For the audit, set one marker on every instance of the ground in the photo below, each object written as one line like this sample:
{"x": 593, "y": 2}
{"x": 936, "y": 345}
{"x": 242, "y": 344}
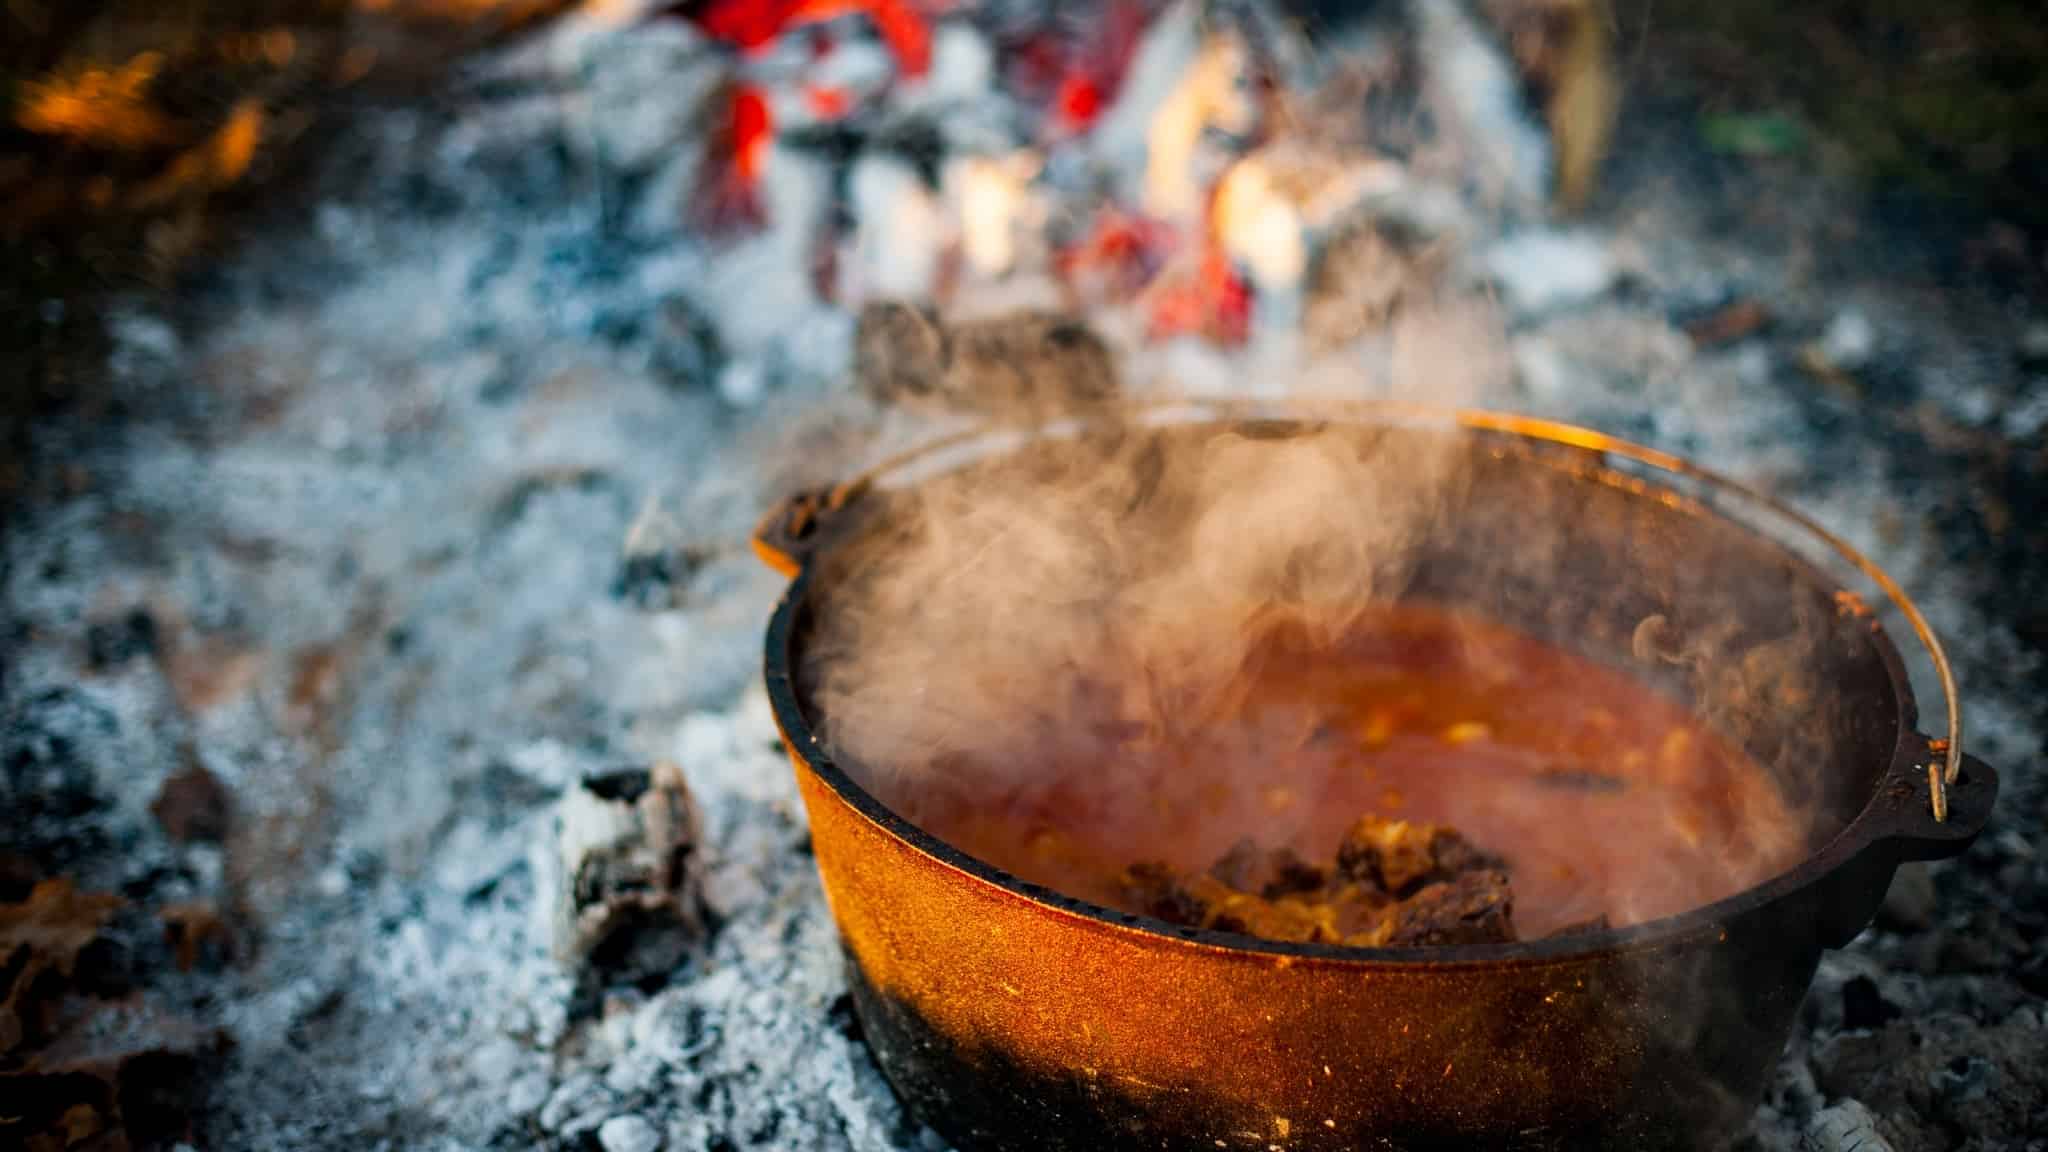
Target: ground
{"x": 371, "y": 479}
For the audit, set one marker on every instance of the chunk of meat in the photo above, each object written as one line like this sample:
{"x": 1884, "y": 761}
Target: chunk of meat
{"x": 1470, "y": 908}
{"x": 1290, "y": 875}
{"x": 1395, "y": 884}
{"x": 1402, "y": 856}
{"x": 1203, "y": 901}
{"x": 1153, "y": 889}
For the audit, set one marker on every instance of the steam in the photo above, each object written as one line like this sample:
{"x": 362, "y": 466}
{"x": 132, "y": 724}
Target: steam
{"x": 1120, "y": 593}
{"x": 1165, "y": 562}
{"x": 1067, "y": 637}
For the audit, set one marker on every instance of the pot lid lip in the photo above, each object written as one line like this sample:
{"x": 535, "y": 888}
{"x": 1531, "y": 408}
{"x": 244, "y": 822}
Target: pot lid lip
{"x": 1709, "y": 920}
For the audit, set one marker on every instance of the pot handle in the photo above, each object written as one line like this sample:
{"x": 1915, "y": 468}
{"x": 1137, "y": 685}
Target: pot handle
{"x": 791, "y": 531}
{"x": 1902, "y": 820}
{"x": 1970, "y": 797}
{"x": 1898, "y": 826}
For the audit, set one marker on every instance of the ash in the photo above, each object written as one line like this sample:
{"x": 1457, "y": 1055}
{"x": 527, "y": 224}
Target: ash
{"x": 432, "y": 505}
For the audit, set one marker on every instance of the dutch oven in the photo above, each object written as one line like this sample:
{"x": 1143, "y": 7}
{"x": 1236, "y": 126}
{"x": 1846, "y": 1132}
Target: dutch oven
{"x": 1011, "y": 1017}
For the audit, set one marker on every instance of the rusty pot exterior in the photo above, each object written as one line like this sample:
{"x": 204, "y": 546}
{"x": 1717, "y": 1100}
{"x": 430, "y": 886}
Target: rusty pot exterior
{"x": 1010, "y": 1017}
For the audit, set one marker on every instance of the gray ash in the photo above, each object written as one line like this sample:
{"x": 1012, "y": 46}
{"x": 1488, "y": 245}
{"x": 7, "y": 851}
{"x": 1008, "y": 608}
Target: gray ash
{"x": 423, "y": 392}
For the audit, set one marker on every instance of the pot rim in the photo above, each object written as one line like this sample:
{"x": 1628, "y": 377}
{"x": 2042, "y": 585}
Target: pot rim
{"x": 1874, "y": 824}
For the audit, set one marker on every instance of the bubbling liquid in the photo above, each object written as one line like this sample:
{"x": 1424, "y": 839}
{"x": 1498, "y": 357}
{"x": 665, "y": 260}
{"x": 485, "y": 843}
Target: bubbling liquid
{"x": 1604, "y": 797}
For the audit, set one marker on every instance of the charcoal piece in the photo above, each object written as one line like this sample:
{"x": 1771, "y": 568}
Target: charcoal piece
{"x": 1910, "y": 903}
{"x": 50, "y": 802}
{"x": 110, "y": 643}
{"x": 122, "y": 1075}
{"x": 1471, "y": 908}
{"x": 1027, "y": 366}
{"x": 1030, "y": 366}
{"x": 1401, "y": 857}
{"x": 193, "y": 806}
{"x": 1383, "y": 852}
{"x": 654, "y": 580}
{"x": 899, "y": 352}
{"x": 620, "y": 784}
{"x": 18, "y": 876}
{"x": 1864, "y": 1006}
{"x": 1455, "y": 854}
{"x": 686, "y": 347}
{"x": 1846, "y": 1127}
{"x": 629, "y": 895}
{"x": 2033, "y": 975}
{"x": 1927, "y": 1075}
{"x": 197, "y": 935}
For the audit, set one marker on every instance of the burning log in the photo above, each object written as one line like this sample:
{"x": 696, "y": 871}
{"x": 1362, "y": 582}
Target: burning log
{"x": 1276, "y": 209}
{"x": 1203, "y": 295}
{"x": 741, "y": 119}
{"x": 1073, "y": 70}
{"x": 1213, "y": 96}
{"x": 1120, "y": 254}
{"x": 736, "y": 129}
{"x": 992, "y": 198}
{"x": 752, "y": 26}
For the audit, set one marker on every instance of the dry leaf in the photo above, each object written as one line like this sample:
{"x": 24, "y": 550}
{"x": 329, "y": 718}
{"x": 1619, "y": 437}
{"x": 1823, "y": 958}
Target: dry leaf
{"x": 40, "y": 942}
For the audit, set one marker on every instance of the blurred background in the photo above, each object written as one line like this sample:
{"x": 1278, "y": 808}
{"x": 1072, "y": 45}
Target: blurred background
{"x": 388, "y": 387}
{"x": 136, "y": 133}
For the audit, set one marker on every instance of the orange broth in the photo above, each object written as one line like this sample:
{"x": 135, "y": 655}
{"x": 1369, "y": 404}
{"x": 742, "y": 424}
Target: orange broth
{"x": 1605, "y": 797}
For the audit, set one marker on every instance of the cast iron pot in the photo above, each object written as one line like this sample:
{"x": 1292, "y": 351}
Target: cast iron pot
{"x": 1010, "y": 1017}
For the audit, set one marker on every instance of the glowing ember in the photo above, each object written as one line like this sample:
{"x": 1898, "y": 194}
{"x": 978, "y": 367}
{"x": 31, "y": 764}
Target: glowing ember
{"x": 99, "y": 106}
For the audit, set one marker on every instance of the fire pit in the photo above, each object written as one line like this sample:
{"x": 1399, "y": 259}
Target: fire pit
{"x": 1010, "y": 1015}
